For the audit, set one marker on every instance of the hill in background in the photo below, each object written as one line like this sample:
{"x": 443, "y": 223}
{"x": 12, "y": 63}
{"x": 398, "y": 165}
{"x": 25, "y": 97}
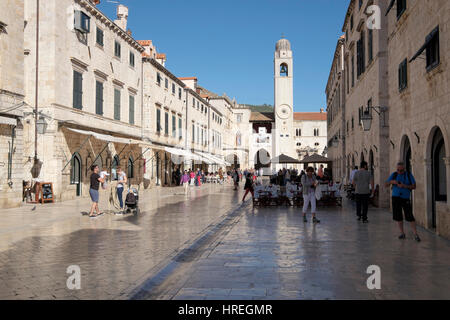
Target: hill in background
{"x": 260, "y": 108}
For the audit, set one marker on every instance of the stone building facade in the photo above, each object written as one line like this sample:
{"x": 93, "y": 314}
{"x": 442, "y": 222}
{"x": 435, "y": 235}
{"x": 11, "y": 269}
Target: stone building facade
{"x": 419, "y": 99}
{"x": 11, "y": 102}
{"x": 105, "y": 98}
{"x": 401, "y": 69}
{"x": 366, "y": 89}
{"x": 89, "y": 88}
{"x": 310, "y": 134}
{"x": 164, "y": 119}
{"x": 335, "y": 93}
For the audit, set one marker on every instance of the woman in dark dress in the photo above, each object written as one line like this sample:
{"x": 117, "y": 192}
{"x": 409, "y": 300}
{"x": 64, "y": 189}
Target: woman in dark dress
{"x": 248, "y": 186}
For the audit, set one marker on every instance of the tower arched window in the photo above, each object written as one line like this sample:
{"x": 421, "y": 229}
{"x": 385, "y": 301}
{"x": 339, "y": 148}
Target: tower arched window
{"x": 284, "y": 70}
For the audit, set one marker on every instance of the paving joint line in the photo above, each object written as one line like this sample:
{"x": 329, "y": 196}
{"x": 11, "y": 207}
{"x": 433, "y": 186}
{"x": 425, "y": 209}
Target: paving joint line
{"x": 184, "y": 256}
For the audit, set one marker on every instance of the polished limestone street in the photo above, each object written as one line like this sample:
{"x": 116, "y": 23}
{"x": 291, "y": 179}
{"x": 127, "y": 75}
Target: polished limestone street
{"x": 207, "y": 245}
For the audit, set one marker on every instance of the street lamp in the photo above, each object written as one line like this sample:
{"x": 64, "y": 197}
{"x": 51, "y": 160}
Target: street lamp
{"x": 41, "y": 125}
{"x": 366, "y": 120}
{"x": 366, "y": 117}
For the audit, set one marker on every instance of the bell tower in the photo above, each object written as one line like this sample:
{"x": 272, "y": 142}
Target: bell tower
{"x": 284, "y": 100}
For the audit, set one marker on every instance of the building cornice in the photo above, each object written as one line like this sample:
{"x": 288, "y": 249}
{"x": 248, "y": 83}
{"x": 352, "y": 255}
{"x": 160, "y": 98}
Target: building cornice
{"x": 88, "y": 6}
{"x": 161, "y": 68}
{"x": 351, "y": 6}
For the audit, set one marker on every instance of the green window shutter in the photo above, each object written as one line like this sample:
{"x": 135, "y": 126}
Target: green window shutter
{"x": 100, "y": 36}
{"x": 174, "y": 127}
{"x": 132, "y": 59}
{"x": 99, "y": 98}
{"x": 180, "y": 128}
{"x": 131, "y": 116}
{"x": 117, "y": 49}
{"x": 116, "y": 104}
{"x": 77, "y": 90}
{"x": 158, "y": 120}
{"x": 166, "y": 123}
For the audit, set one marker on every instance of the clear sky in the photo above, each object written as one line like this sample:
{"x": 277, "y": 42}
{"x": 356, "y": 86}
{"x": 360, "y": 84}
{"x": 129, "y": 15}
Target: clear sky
{"x": 229, "y": 44}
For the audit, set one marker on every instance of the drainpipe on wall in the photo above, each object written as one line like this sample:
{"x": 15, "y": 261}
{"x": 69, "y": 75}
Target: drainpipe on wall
{"x": 186, "y": 126}
{"x": 36, "y": 87}
{"x": 142, "y": 99}
{"x": 10, "y": 155}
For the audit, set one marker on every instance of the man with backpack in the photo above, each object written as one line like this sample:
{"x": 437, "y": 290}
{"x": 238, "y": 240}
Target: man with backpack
{"x": 402, "y": 183}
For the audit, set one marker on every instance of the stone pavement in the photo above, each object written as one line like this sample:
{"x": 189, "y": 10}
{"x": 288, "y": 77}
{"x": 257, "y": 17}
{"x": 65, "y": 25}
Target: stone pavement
{"x": 38, "y": 243}
{"x": 269, "y": 253}
{"x": 205, "y": 246}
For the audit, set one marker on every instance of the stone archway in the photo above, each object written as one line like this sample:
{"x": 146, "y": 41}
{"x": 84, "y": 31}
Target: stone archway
{"x": 262, "y": 160}
{"x": 436, "y": 176}
{"x": 233, "y": 158}
{"x": 406, "y": 153}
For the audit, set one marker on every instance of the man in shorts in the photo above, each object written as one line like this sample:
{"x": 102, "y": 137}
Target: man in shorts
{"x": 402, "y": 183}
{"x": 93, "y": 190}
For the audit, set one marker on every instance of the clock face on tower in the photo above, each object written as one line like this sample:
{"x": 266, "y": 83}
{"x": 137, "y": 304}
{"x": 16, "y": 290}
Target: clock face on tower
{"x": 284, "y": 111}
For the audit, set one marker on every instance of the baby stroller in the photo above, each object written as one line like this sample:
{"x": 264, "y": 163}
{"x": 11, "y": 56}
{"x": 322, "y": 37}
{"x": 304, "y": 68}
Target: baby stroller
{"x": 132, "y": 201}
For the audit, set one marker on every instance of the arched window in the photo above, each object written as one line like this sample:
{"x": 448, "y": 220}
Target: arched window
{"x": 115, "y": 164}
{"x": 439, "y": 169}
{"x": 75, "y": 173}
{"x": 284, "y": 70}
{"x": 407, "y": 154}
{"x": 130, "y": 167}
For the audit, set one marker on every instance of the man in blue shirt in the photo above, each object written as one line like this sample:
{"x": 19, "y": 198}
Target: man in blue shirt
{"x": 402, "y": 183}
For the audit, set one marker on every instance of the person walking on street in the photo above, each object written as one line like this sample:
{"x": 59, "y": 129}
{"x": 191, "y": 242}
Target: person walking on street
{"x": 248, "y": 186}
{"x": 192, "y": 176}
{"x": 362, "y": 181}
{"x": 185, "y": 181}
{"x": 309, "y": 184}
{"x": 122, "y": 180}
{"x": 320, "y": 172}
{"x": 402, "y": 183}
{"x": 352, "y": 174}
{"x": 235, "y": 179}
{"x": 287, "y": 177}
{"x": 93, "y": 190}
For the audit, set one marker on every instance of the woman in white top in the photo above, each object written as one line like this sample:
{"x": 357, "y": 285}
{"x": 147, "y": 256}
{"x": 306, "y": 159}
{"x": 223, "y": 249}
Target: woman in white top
{"x": 309, "y": 184}
{"x": 122, "y": 180}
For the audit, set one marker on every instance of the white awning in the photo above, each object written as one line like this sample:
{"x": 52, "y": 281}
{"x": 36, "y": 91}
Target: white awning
{"x": 8, "y": 121}
{"x": 183, "y": 153}
{"x": 213, "y": 159}
{"x": 105, "y": 137}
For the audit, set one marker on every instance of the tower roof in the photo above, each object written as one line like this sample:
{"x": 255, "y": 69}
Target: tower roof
{"x": 283, "y": 44}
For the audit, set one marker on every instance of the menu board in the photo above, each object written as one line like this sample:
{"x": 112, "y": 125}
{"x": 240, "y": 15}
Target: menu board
{"x": 47, "y": 192}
